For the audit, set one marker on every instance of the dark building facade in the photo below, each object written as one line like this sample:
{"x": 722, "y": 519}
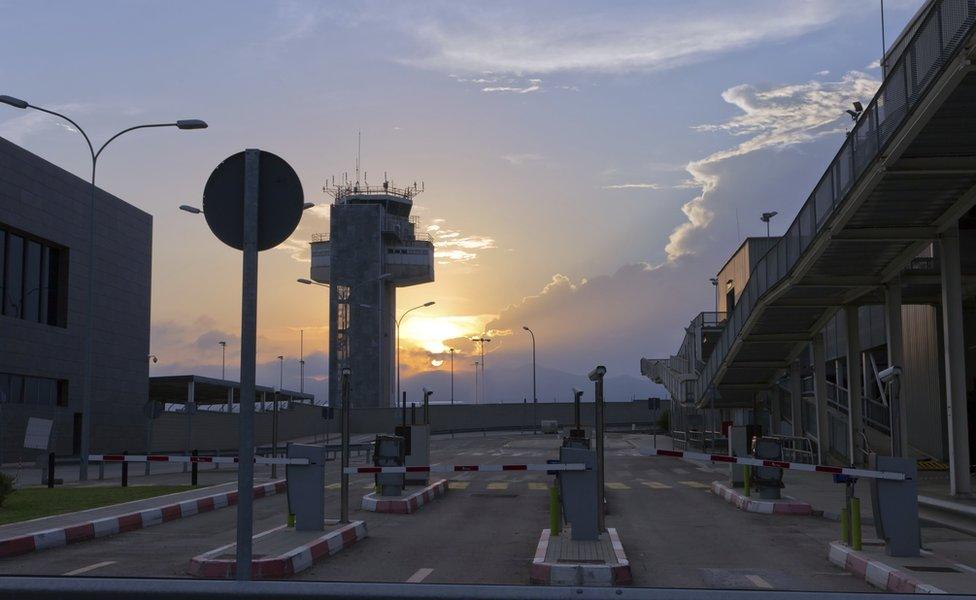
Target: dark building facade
{"x": 44, "y": 260}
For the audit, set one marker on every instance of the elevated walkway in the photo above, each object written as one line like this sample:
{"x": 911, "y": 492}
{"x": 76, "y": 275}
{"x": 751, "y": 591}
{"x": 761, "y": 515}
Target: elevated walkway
{"x": 905, "y": 174}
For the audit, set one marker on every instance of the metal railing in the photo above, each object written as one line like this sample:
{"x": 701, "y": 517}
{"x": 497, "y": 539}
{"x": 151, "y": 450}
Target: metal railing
{"x": 938, "y": 38}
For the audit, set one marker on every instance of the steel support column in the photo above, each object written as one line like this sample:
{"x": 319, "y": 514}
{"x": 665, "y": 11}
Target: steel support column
{"x": 955, "y": 363}
{"x": 855, "y": 423}
{"x": 796, "y": 398}
{"x": 899, "y": 424}
{"x": 820, "y": 392}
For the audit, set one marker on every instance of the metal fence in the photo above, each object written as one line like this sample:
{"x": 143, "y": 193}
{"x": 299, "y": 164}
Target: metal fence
{"x": 938, "y": 38}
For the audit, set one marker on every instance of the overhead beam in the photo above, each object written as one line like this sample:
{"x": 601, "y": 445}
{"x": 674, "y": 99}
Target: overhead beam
{"x": 838, "y": 281}
{"x": 779, "y": 338}
{"x": 886, "y": 234}
{"x": 934, "y": 165}
{"x": 758, "y": 364}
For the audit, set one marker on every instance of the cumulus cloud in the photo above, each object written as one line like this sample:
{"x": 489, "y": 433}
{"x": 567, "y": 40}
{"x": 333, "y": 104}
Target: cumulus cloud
{"x": 771, "y": 117}
{"x": 534, "y": 85}
{"x": 451, "y": 246}
{"x": 634, "y": 186}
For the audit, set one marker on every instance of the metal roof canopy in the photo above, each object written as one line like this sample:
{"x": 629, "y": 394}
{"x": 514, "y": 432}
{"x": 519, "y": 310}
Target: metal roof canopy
{"x": 922, "y": 182}
{"x": 206, "y": 390}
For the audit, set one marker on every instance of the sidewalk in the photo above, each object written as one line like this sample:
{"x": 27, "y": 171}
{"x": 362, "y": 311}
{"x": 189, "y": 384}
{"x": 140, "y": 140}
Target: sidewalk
{"x": 67, "y": 528}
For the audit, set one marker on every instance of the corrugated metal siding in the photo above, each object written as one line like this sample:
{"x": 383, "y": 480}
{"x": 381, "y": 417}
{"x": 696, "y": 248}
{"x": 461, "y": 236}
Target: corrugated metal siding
{"x": 923, "y": 388}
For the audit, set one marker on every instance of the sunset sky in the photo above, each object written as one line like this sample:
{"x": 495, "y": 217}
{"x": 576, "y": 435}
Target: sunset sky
{"x": 588, "y": 165}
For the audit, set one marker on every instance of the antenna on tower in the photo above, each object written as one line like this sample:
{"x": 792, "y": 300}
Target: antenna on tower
{"x": 359, "y": 153}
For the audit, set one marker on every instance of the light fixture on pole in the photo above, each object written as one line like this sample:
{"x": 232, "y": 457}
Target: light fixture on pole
{"x": 86, "y": 399}
{"x": 766, "y": 218}
{"x": 534, "y": 396}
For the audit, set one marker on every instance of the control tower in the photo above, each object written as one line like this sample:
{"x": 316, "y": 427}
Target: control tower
{"x": 373, "y": 247}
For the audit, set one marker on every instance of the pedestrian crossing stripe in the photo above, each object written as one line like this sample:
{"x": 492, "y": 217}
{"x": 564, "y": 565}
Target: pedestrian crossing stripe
{"x": 458, "y": 485}
{"x": 654, "y": 485}
{"x": 694, "y": 484}
{"x": 498, "y": 485}
{"x": 535, "y": 485}
{"x": 616, "y": 485}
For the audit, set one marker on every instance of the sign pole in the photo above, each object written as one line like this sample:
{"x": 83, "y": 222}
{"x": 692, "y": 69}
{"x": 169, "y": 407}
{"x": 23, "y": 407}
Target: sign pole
{"x": 249, "y": 310}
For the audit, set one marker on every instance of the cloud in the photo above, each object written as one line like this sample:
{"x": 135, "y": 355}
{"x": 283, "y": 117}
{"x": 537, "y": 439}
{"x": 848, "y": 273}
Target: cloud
{"x": 451, "y": 246}
{"x": 32, "y": 122}
{"x": 634, "y": 186}
{"x": 771, "y": 117}
{"x": 540, "y": 38}
{"x": 534, "y": 85}
{"x": 522, "y": 159}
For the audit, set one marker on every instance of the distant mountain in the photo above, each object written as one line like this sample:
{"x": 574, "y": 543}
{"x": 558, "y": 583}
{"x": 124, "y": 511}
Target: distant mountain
{"x": 512, "y": 384}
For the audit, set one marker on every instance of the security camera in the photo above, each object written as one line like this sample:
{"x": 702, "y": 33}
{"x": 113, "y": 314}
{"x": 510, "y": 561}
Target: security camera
{"x": 889, "y": 374}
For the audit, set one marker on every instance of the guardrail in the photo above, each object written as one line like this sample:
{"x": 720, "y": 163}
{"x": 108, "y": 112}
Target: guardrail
{"x": 939, "y": 37}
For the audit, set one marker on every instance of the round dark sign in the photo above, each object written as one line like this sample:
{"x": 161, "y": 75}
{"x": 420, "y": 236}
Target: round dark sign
{"x": 280, "y": 201}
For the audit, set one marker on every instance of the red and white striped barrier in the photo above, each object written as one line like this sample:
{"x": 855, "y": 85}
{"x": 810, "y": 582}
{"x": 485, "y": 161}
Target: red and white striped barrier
{"x": 181, "y": 458}
{"x": 466, "y": 468}
{"x": 758, "y": 462}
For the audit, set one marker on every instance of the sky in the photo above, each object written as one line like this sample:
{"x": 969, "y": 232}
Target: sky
{"x": 587, "y": 165}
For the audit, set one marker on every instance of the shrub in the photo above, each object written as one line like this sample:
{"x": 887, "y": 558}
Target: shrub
{"x": 6, "y": 487}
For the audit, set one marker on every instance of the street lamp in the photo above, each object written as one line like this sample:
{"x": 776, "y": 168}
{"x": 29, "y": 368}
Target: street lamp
{"x": 452, "y": 376}
{"x": 223, "y": 360}
{"x": 525, "y": 327}
{"x": 766, "y": 218}
{"x": 398, "y": 321}
{"x": 86, "y": 410}
{"x": 484, "y": 389}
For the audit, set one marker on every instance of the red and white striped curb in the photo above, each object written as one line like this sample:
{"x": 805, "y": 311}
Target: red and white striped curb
{"x": 766, "y": 507}
{"x": 758, "y": 462}
{"x": 549, "y": 573}
{"x": 876, "y": 572}
{"x": 189, "y": 458}
{"x": 80, "y": 532}
{"x": 406, "y": 504}
{"x": 466, "y": 468}
{"x": 209, "y": 566}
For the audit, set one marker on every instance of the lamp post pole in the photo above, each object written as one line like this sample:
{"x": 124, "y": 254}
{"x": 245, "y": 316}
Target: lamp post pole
{"x": 301, "y": 361}
{"x": 223, "y": 360}
{"x": 398, "y": 322}
{"x": 86, "y": 401}
{"x": 452, "y": 376}
{"x": 484, "y": 388}
{"x": 476, "y": 363}
{"x": 534, "y": 396}
{"x": 274, "y": 414}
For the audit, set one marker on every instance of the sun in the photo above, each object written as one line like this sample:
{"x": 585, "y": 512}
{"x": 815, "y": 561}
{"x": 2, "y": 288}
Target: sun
{"x": 436, "y": 362}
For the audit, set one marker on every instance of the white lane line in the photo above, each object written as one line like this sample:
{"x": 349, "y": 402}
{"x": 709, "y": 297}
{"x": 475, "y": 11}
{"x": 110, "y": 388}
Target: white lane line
{"x": 98, "y": 565}
{"x": 420, "y": 575}
{"x": 759, "y": 582}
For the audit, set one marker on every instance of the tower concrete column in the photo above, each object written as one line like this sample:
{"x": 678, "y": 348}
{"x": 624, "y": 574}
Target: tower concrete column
{"x": 855, "y": 424}
{"x": 960, "y": 482}
{"x": 899, "y": 424}
{"x": 820, "y": 392}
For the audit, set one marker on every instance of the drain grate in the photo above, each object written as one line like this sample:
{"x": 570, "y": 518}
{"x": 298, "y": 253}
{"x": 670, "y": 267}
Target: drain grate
{"x": 928, "y": 569}
{"x": 494, "y": 495}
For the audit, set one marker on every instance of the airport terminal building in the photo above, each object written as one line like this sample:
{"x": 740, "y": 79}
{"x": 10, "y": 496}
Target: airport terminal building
{"x": 44, "y": 260}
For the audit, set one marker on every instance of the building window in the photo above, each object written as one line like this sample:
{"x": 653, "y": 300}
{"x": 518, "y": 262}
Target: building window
{"x": 35, "y": 391}
{"x": 33, "y": 278}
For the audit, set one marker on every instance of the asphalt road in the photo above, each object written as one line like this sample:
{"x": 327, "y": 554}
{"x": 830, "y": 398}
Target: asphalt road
{"x": 675, "y": 532}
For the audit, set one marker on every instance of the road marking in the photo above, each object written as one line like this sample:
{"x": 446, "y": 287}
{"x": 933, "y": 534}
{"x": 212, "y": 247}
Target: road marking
{"x": 458, "y": 485}
{"x": 759, "y": 582}
{"x": 498, "y": 485}
{"x": 333, "y": 486}
{"x": 694, "y": 484}
{"x": 616, "y": 485}
{"x": 98, "y": 565}
{"x": 654, "y": 485}
{"x": 420, "y": 575}
{"x": 535, "y": 485}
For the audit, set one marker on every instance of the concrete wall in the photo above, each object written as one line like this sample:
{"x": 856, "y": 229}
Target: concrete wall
{"x": 213, "y": 431}
{"x": 48, "y": 202}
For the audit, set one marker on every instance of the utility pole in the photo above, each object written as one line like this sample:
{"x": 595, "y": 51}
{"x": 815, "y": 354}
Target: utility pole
{"x": 223, "y": 360}
{"x": 484, "y": 388}
{"x": 476, "y": 363}
{"x": 534, "y": 396}
{"x": 301, "y": 360}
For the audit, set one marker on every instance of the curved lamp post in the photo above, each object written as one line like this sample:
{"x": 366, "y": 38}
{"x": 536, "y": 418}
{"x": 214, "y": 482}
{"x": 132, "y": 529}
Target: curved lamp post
{"x": 90, "y": 317}
{"x": 534, "y": 397}
{"x": 398, "y": 321}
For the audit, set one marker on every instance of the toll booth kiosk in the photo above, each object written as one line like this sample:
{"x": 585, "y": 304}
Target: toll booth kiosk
{"x": 306, "y": 486}
{"x": 416, "y": 443}
{"x": 388, "y": 451}
{"x": 578, "y": 493}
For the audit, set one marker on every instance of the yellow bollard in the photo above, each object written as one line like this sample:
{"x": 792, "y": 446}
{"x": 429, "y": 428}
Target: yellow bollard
{"x": 291, "y": 520}
{"x": 747, "y": 481}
